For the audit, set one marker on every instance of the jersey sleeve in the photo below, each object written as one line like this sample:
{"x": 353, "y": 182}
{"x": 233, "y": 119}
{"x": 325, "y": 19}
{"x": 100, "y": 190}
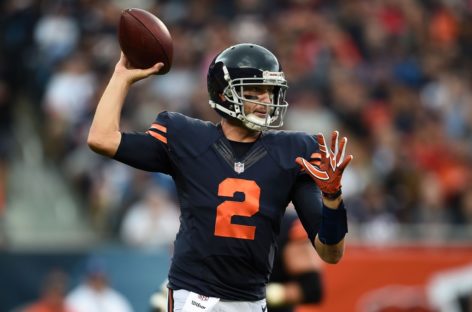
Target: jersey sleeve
{"x": 307, "y": 201}
{"x": 306, "y": 194}
{"x": 147, "y": 151}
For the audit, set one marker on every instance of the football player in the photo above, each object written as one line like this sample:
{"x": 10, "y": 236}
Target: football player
{"x": 297, "y": 273}
{"x": 234, "y": 179}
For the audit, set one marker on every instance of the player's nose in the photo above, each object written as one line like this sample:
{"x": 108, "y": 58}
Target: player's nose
{"x": 264, "y": 97}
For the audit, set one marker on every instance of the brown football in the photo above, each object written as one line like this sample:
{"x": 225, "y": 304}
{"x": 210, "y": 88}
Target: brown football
{"x": 145, "y": 39}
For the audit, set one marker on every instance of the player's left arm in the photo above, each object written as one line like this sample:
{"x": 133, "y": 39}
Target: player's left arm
{"x": 327, "y": 174}
{"x": 329, "y": 242}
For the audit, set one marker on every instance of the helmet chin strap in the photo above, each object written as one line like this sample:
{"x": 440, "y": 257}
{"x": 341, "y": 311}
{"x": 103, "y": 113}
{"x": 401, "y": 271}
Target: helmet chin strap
{"x": 254, "y": 122}
{"x": 250, "y": 121}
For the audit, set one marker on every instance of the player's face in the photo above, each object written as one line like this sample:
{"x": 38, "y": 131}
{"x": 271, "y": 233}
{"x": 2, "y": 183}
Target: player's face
{"x": 262, "y": 94}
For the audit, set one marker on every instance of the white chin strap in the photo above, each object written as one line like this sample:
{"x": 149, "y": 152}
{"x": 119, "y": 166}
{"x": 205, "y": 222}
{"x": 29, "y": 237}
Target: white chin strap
{"x": 250, "y": 121}
{"x": 256, "y": 123}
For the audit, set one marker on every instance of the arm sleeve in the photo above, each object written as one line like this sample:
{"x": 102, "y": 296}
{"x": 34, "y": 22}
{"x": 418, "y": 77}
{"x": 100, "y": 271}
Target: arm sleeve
{"x": 306, "y": 198}
{"x": 143, "y": 151}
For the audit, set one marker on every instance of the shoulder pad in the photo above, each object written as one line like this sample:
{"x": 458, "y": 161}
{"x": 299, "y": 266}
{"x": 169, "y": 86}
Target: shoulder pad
{"x": 185, "y": 136}
{"x": 286, "y": 146}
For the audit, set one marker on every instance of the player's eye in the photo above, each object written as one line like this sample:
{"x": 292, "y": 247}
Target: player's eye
{"x": 250, "y": 97}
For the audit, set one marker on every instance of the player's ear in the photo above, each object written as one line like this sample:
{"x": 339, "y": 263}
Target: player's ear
{"x": 221, "y": 96}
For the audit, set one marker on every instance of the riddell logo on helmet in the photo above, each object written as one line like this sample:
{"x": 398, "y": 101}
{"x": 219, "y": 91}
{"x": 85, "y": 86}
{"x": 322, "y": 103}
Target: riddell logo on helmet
{"x": 273, "y": 75}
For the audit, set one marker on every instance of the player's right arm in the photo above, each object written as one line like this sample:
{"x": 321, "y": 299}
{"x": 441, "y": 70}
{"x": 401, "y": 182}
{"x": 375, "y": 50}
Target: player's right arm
{"x": 104, "y": 134}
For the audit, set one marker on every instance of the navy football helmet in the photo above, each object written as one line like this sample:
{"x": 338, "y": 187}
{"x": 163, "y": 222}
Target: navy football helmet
{"x": 242, "y": 67}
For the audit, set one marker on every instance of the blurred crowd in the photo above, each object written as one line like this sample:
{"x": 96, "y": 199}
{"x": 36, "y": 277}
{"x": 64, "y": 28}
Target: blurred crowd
{"x": 395, "y": 76}
{"x": 93, "y": 292}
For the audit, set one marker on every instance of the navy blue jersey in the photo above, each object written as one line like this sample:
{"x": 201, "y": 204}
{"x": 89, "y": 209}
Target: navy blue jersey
{"x": 231, "y": 208}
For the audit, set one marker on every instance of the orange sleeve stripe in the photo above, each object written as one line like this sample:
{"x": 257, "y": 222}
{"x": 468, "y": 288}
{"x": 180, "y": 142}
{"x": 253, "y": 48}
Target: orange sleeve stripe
{"x": 159, "y": 127}
{"x": 158, "y": 136}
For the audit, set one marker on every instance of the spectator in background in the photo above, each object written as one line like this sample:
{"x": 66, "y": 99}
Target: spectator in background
{"x": 95, "y": 294}
{"x": 68, "y": 95}
{"x": 307, "y": 111}
{"x": 151, "y": 222}
{"x": 296, "y": 277}
{"x": 5, "y": 146}
{"x": 52, "y": 298}
{"x": 465, "y": 207}
{"x": 378, "y": 69}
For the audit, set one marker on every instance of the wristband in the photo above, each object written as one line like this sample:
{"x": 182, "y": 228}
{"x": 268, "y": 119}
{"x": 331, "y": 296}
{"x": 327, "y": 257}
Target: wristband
{"x": 332, "y": 196}
{"x": 333, "y": 225}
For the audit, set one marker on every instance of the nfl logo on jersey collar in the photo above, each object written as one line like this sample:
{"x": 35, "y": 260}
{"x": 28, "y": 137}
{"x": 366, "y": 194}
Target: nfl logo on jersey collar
{"x": 239, "y": 167}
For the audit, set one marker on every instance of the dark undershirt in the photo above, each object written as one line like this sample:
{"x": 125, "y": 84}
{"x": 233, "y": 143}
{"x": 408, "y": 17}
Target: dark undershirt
{"x": 240, "y": 148}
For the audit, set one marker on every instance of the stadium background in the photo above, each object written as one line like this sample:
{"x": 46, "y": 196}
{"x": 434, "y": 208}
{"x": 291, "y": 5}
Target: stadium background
{"x": 393, "y": 75}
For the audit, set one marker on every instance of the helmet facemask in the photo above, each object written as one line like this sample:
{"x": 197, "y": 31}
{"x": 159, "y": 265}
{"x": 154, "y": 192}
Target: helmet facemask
{"x": 273, "y": 111}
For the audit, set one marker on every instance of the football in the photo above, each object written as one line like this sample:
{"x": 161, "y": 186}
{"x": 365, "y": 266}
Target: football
{"x": 145, "y": 39}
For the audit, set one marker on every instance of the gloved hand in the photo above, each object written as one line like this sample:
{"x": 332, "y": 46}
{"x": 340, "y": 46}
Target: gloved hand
{"x": 327, "y": 175}
{"x": 275, "y": 294}
{"x": 158, "y": 300}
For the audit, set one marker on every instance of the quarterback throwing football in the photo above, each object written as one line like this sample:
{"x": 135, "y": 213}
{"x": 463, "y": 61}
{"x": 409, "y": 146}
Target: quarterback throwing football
{"x": 234, "y": 179}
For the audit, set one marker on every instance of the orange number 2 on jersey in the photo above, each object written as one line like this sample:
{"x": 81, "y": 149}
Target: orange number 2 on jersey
{"x": 247, "y": 208}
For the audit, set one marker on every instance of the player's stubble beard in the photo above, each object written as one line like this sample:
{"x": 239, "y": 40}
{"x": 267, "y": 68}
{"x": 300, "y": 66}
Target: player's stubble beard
{"x": 239, "y": 124}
